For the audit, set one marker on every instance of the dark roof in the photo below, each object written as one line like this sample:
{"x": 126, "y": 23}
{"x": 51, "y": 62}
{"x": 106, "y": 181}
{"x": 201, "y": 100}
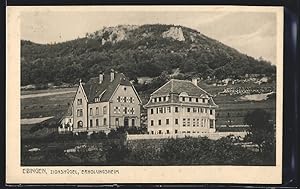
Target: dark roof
{"x": 93, "y": 88}
{"x": 178, "y": 86}
{"x": 69, "y": 111}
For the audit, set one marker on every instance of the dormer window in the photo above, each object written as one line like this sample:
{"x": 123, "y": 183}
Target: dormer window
{"x": 79, "y": 101}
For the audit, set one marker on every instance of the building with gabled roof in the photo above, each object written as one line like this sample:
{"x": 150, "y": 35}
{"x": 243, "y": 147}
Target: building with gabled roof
{"x": 104, "y": 103}
{"x": 180, "y": 106}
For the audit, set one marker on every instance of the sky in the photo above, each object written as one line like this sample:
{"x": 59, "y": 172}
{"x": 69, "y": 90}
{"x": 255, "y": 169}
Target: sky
{"x": 252, "y": 33}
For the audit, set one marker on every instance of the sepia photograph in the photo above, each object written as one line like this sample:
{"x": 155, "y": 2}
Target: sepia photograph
{"x": 149, "y": 87}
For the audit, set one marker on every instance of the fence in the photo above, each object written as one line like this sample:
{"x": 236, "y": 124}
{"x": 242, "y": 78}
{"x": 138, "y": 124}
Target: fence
{"x": 212, "y": 136}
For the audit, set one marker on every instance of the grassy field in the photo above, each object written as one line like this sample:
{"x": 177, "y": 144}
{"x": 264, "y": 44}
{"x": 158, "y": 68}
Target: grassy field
{"x": 231, "y": 108}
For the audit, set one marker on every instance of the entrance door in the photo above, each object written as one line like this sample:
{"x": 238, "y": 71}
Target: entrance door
{"x": 126, "y": 122}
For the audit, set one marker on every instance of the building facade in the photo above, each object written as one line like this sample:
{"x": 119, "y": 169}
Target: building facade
{"x": 180, "y": 106}
{"x": 103, "y": 103}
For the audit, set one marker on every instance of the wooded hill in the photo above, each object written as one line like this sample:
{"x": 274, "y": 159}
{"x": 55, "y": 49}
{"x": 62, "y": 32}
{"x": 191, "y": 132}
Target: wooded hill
{"x": 137, "y": 51}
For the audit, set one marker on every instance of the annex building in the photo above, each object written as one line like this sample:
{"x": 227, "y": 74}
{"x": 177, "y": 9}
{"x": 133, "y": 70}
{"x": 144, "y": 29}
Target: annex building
{"x": 180, "y": 106}
{"x": 103, "y": 103}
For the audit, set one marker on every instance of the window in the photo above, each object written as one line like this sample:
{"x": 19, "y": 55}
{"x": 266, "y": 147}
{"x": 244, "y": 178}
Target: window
{"x": 133, "y": 122}
{"x": 118, "y": 99}
{"x": 97, "y": 122}
{"x": 104, "y": 110}
{"x": 70, "y": 120}
{"x": 128, "y": 99}
{"x": 117, "y": 122}
{"x": 188, "y": 109}
{"x": 190, "y": 99}
{"x": 203, "y": 100}
{"x": 91, "y": 123}
{"x": 176, "y": 131}
{"x": 97, "y": 110}
{"x": 159, "y": 131}
{"x": 165, "y": 98}
{"x": 197, "y": 122}
{"x": 176, "y": 121}
{"x": 159, "y": 122}
{"x": 104, "y": 122}
{"x": 91, "y": 111}
{"x": 159, "y": 99}
{"x": 183, "y": 99}
{"x": 169, "y": 109}
{"x": 157, "y": 110}
{"x": 79, "y": 124}
{"x": 160, "y": 110}
{"x": 183, "y": 122}
{"x": 211, "y": 112}
{"x": 194, "y": 123}
{"x": 79, "y": 112}
{"x": 132, "y": 111}
{"x": 125, "y": 98}
{"x": 188, "y": 122}
{"x": 79, "y": 101}
{"x": 202, "y": 122}
{"x": 152, "y": 132}
{"x": 197, "y": 99}
{"x": 194, "y": 110}
{"x": 167, "y": 121}
{"x": 168, "y": 132}
{"x": 152, "y": 122}
{"x": 176, "y": 109}
{"x": 131, "y": 100}
{"x": 151, "y": 111}
{"x": 125, "y": 110}
{"x": 211, "y": 123}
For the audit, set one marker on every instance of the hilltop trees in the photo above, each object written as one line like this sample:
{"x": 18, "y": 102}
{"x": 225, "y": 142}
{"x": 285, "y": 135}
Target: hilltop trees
{"x": 144, "y": 52}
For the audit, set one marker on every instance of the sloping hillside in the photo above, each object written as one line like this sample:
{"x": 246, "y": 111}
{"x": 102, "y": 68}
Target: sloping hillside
{"x": 137, "y": 51}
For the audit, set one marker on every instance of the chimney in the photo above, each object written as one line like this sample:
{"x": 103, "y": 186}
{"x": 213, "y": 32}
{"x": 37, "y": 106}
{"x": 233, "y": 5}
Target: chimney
{"x": 195, "y": 81}
{"x": 112, "y": 75}
{"x": 101, "y": 78}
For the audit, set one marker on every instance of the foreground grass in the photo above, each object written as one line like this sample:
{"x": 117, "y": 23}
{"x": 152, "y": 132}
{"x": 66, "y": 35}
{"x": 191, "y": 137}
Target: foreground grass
{"x": 163, "y": 152}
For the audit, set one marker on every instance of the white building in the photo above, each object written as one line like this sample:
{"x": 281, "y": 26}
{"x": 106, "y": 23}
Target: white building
{"x": 180, "y": 106}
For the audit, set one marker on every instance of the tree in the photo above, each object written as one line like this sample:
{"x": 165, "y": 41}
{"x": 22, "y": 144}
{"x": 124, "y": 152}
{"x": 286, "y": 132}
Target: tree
{"x": 261, "y": 131}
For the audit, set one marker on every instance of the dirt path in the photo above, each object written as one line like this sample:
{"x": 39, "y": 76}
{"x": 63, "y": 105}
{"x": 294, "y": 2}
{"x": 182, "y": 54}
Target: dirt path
{"x": 45, "y": 94}
{"x": 34, "y": 120}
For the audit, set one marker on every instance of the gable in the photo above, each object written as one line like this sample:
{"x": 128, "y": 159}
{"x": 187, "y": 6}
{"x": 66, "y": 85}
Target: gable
{"x": 104, "y": 90}
{"x": 125, "y": 91}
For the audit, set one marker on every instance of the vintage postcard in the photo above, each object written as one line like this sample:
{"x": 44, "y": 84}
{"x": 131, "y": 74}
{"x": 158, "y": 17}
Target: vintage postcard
{"x": 144, "y": 94}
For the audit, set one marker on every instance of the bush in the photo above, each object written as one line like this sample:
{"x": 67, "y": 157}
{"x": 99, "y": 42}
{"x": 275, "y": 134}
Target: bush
{"x": 98, "y": 135}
